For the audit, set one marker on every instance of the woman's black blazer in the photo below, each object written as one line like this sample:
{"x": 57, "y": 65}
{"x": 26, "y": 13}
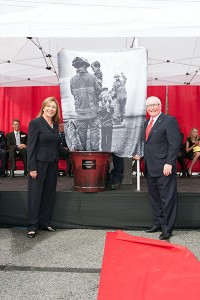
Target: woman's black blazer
{"x": 43, "y": 143}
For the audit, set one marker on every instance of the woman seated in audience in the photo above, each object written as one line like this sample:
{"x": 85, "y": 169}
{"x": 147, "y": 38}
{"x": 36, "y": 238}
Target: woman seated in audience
{"x": 193, "y": 148}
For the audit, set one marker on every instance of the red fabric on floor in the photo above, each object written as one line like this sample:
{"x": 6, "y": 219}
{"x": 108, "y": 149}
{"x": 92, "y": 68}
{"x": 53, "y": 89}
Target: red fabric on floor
{"x": 136, "y": 268}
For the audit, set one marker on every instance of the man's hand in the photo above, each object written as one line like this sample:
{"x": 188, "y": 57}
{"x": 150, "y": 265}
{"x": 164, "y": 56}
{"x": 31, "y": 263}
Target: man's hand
{"x": 167, "y": 170}
{"x": 136, "y": 157}
{"x": 21, "y": 146}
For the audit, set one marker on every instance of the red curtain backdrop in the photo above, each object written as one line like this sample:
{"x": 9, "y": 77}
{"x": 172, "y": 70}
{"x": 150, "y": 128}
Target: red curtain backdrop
{"x": 184, "y": 104}
{"x": 24, "y": 104}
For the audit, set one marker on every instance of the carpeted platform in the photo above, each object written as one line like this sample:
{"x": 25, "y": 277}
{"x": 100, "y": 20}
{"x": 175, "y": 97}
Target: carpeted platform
{"x": 125, "y": 208}
{"x": 66, "y": 184}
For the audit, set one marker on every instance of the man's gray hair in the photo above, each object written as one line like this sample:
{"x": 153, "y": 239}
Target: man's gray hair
{"x": 156, "y": 99}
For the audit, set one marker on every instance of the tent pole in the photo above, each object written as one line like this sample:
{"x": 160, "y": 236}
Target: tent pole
{"x": 136, "y": 42}
{"x": 167, "y": 102}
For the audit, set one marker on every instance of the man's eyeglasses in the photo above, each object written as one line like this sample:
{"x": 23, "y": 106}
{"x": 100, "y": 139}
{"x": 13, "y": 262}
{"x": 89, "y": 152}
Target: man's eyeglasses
{"x": 152, "y": 105}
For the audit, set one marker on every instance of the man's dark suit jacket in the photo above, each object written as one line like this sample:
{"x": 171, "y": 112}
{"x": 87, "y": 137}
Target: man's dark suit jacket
{"x": 11, "y": 141}
{"x": 43, "y": 143}
{"x": 163, "y": 144}
{"x": 2, "y": 141}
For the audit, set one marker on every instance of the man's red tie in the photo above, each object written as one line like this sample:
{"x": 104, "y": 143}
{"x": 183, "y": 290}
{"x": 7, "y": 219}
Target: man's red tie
{"x": 150, "y": 125}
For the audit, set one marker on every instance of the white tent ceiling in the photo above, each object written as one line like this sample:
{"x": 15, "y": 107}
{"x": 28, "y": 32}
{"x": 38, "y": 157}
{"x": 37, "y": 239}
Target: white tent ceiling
{"x": 169, "y": 30}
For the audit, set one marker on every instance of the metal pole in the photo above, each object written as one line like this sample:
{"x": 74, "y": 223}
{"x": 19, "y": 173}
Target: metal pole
{"x": 138, "y": 161}
{"x": 138, "y": 175}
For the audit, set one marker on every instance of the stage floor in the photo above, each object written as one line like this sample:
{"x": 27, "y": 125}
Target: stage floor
{"x": 126, "y": 208}
{"x": 65, "y": 184}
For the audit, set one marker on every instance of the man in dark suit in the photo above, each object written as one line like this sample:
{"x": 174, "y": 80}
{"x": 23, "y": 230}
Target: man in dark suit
{"x": 64, "y": 151}
{"x": 17, "y": 146}
{"x": 161, "y": 147}
{"x": 114, "y": 178}
{"x": 3, "y": 154}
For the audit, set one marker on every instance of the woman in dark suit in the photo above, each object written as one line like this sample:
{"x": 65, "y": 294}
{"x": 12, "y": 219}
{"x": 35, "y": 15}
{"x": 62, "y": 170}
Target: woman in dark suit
{"x": 43, "y": 156}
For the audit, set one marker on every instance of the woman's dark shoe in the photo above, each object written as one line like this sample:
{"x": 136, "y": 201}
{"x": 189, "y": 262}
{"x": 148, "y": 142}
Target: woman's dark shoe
{"x": 31, "y": 234}
{"x": 50, "y": 229}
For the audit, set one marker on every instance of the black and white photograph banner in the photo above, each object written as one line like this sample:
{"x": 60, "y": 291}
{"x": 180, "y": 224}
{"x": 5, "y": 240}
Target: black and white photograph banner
{"x": 103, "y": 98}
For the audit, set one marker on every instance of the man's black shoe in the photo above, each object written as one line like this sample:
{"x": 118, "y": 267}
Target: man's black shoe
{"x": 115, "y": 186}
{"x": 12, "y": 173}
{"x": 165, "y": 236}
{"x": 153, "y": 229}
{"x": 3, "y": 174}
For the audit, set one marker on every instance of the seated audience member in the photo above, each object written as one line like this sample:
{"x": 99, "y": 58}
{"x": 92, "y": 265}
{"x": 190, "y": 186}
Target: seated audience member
{"x": 16, "y": 146}
{"x": 192, "y": 150}
{"x": 3, "y": 154}
{"x": 64, "y": 151}
{"x": 181, "y": 158}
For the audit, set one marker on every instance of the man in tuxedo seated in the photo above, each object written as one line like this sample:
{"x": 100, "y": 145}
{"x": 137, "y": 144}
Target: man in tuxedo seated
{"x": 3, "y": 154}
{"x": 16, "y": 146}
{"x": 64, "y": 151}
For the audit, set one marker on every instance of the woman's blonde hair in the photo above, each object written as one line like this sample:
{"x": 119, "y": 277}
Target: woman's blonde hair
{"x": 56, "y": 117}
{"x": 197, "y": 137}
